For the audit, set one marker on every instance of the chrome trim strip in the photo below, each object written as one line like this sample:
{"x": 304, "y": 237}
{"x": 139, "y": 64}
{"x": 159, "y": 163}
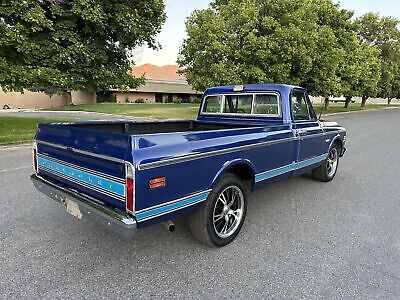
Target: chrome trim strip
{"x": 118, "y": 221}
{"x": 190, "y": 157}
{"x": 129, "y": 165}
{"x": 288, "y": 168}
{"x": 310, "y": 136}
{"x": 173, "y": 201}
{"x": 112, "y": 195}
{"x": 101, "y": 156}
{"x": 172, "y": 206}
{"x": 106, "y": 176}
{"x": 305, "y": 129}
{"x": 333, "y": 132}
{"x": 171, "y": 211}
{"x": 279, "y": 171}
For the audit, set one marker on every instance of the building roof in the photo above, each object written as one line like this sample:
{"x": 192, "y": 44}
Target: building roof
{"x": 163, "y": 79}
{"x": 167, "y": 86}
{"x": 169, "y": 72}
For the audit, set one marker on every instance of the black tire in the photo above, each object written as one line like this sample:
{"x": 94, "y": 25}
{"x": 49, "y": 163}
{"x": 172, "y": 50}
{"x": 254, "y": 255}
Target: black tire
{"x": 324, "y": 172}
{"x": 202, "y": 221}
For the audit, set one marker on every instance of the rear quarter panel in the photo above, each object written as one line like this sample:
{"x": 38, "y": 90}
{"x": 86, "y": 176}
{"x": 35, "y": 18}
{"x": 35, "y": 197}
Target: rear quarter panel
{"x": 218, "y": 151}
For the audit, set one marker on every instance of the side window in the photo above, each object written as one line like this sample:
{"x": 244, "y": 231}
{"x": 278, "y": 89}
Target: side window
{"x": 300, "y": 106}
{"x": 212, "y": 104}
{"x": 266, "y": 105}
{"x": 238, "y": 104}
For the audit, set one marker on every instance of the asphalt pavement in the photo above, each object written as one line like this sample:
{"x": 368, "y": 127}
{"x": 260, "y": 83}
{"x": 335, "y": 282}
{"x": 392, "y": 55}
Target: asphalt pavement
{"x": 301, "y": 238}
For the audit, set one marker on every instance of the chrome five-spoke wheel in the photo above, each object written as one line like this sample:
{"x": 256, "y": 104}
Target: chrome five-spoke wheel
{"x": 219, "y": 220}
{"x": 228, "y": 211}
{"x": 332, "y": 162}
{"x": 327, "y": 171}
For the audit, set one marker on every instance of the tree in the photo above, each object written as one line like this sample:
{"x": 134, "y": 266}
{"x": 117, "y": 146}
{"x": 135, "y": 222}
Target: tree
{"x": 334, "y": 33}
{"x": 59, "y": 45}
{"x": 255, "y": 41}
{"x": 360, "y": 72}
{"x": 384, "y": 34}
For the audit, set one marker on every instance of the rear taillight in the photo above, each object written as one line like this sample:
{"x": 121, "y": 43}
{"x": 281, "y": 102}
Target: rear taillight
{"x": 130, "y": 187}
{"x": 35, "y": 158}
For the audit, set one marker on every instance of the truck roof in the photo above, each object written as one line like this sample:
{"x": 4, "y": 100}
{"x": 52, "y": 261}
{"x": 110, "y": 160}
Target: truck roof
{"x": 259, "y": 87}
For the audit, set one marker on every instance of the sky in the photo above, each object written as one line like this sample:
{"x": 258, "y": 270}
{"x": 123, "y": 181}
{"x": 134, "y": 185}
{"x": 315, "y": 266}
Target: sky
{"x": 173, "y": 31}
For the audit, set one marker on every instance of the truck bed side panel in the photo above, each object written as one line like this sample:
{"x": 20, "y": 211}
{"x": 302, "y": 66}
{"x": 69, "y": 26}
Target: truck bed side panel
{"x": 194, "y": 175}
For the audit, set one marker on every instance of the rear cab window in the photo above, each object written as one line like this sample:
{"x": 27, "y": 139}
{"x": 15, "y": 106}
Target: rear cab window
{"x": 266, "y": 104}
{"x": 238, "y": 104}
{"x": 212, "y": 104}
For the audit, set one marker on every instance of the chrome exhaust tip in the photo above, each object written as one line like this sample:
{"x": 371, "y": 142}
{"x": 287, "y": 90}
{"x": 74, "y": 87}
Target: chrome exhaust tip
{"x": 170, "y": 226}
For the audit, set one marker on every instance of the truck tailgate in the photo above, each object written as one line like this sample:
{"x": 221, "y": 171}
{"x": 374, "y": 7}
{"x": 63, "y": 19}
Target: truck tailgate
{"x": 87, "y": 161}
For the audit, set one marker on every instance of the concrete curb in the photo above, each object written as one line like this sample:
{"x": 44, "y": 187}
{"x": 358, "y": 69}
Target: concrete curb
{"x": 358, "y": 111}
{"x": 75, "y": 112}
{"x": 17, "y": 110}
{"x": 15, "y": 146}
{"x": 96, "y": 113}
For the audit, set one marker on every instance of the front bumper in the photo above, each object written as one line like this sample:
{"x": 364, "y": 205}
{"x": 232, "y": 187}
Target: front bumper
{"x": 117, "y": 221}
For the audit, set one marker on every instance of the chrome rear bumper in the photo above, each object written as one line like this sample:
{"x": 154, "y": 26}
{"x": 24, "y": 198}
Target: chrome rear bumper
{"x": 118, "y": 221}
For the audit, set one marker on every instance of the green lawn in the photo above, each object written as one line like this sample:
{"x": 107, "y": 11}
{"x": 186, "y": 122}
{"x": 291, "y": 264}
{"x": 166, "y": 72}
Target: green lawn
{"x": 183, "y": 111}
{"x": 17, "y": 130}
{"x": 155, "y": 111}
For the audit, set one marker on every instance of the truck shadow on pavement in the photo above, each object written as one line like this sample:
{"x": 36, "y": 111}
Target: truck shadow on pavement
{"x": 266, "y": 210}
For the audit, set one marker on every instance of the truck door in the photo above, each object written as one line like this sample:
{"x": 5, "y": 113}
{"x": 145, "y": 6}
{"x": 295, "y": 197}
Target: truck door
{"x": 310, "y": 136}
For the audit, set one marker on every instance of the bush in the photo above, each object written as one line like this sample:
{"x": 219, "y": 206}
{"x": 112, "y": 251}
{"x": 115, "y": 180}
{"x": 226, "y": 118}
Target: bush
{"x": 139, "y": 100}
{"x": 177, "y": 100}
{"x": 194, "y": 99}
{"x": 106, "y": 97}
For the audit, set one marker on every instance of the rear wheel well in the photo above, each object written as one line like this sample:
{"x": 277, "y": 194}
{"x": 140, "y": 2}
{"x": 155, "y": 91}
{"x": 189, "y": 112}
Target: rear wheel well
{"x": 244, "y": 172}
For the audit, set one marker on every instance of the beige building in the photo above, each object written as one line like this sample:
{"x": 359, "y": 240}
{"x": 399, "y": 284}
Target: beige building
{"x": 154, "y": 91}
{"x": 32, "y": 100}
{"x": 159, "y": 91}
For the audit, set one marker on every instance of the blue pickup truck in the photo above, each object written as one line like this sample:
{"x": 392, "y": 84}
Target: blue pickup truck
{"x": 128, "y": 175}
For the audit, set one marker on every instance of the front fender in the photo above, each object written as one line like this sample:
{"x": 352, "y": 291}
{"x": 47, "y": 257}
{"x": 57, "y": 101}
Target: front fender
{"x": 338, "y": 137}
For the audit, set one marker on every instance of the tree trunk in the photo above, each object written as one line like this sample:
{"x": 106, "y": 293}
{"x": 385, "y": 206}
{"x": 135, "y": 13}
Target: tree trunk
{"x": 364, "y": 101}
{"x": 326, "y": 102}
{"x": 66, "y": 99}
{"x": 347, "y": 102}
{"x": 389, "y": 101}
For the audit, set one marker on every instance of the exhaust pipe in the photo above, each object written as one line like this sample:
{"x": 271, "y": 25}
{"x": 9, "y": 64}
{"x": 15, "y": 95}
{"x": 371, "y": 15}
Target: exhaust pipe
{"x": 170, "y": 226}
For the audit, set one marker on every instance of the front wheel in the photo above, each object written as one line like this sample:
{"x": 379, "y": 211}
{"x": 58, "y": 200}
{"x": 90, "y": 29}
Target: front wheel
{"x": 327, "y": 171}
{"x": 220, "y": 219}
